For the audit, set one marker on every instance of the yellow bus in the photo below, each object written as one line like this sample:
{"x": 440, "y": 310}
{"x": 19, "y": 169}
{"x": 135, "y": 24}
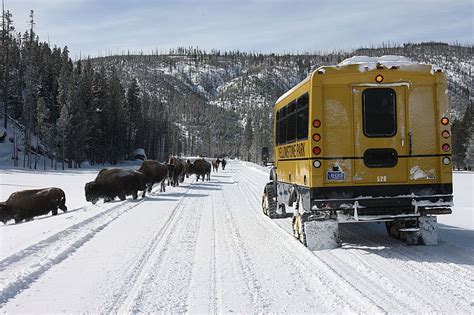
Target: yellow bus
{"x": 366, "y": 140}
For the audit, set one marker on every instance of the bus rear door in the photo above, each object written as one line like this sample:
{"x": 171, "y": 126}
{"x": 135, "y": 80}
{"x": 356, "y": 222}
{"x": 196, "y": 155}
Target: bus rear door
{"x": 380, "y": 135}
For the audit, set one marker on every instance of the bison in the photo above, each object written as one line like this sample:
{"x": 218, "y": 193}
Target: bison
{"x": 215, "y": 164}
{"x": 200, "y": 167}
{"x": 115, "y": 182}
{"x": 179, "y": 170}
{"x": 26, "y": 204}
{"x": 157, "y": 172}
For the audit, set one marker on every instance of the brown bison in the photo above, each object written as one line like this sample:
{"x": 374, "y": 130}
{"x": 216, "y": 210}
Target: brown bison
{"x": 157, "y": 172}
{"x": 179, "y": 170}
{"x": 26, "y": 204}
{"x": 115, "y": 182}
{"x": 215, "y": 164}
{"x": 201, "y": 168}
{"x": 223, "y": 163}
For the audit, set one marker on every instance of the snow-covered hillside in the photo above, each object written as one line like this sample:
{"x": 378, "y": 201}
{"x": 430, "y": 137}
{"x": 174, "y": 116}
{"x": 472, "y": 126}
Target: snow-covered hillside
{"x": 207, "y": 247}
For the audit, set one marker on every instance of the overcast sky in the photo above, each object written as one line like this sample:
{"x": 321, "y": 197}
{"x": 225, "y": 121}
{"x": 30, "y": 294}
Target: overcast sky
{"x": 97, "y": 27}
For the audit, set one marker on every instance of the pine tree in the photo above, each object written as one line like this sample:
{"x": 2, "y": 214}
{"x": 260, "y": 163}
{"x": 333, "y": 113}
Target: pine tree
{"x": 134, "y": 136}
{"x": 43, "y": 128}
{"x": 248, "y": 138}
{"x": 30, "y": 91}
{"x": 118, "y": 118}
{"x": 7, "y": 42}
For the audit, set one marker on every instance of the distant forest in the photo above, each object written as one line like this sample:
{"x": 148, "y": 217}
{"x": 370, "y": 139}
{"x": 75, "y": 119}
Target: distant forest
{"x": 186, "y": 102}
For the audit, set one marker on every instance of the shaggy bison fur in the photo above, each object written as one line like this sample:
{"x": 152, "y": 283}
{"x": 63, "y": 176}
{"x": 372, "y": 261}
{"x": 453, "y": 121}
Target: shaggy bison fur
{"x": 223, "y": 163}
{"x": 201, "y": 168}
{"x": 115, "y": 182}
{"x": 179, "y": 170}
{"x": 157, "y": 172}
{"x": 215, "y": 164}
{"x": 26, "y": 204}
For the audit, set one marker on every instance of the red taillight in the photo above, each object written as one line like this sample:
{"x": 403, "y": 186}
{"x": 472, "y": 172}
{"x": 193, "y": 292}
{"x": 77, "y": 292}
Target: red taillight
{"x": 445, "y": 134}
{"x": 445, "y": 147}
{"x": 445, "y": 121}
{"x": 317, "y": 150}
{"x": 316, "y": 123}
{"x": 316, "y": 137}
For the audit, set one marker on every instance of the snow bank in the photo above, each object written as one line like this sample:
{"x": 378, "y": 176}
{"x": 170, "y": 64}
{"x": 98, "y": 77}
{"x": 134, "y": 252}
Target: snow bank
{"x": 463, "y": 210}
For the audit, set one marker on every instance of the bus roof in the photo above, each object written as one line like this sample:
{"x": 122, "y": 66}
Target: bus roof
{"x": 365, "y": 63}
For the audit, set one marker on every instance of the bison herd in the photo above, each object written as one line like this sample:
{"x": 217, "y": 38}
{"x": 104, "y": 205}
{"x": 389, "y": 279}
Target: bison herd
{"x": 108, "y": 185}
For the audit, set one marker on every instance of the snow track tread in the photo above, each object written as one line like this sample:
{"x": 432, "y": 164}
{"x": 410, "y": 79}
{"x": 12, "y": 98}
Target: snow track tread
{"x": 127, "y": 300}
{"x": 38, "y": 258}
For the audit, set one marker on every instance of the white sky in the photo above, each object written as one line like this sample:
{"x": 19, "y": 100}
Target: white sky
{"x": 98, "y": 27}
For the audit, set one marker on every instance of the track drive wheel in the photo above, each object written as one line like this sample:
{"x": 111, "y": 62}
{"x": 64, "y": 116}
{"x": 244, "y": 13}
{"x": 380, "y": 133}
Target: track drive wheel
{"x": 269, "y": 203}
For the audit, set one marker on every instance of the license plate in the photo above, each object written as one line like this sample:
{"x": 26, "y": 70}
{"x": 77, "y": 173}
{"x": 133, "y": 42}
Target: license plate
{"x": 335, "y": 175}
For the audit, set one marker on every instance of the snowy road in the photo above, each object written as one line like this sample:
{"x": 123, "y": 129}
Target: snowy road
{"x": 206, "y": 247}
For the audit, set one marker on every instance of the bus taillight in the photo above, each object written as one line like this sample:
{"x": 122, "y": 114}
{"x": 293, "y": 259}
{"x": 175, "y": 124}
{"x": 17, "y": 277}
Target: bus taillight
{"x": 317, "y": 150}
{"x": 445, "y": 121}
{"x": 316, "y": 137}
{"x": 445, "y": 147}
{"x": 316, "y": 123}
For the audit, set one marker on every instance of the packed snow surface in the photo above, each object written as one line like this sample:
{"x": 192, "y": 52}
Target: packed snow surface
{"x": 206, "y": 247}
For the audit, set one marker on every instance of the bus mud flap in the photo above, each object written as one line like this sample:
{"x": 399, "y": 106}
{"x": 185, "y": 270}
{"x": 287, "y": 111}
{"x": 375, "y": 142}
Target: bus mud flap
{"x": 321, "y": 234}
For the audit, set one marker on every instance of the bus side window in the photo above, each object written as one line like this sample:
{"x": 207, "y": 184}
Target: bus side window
{"x": 302, "y": 119}
{"x": 282, "y": 127}
{"x": 291, "y": 122}
{"x": 277, "y": 128}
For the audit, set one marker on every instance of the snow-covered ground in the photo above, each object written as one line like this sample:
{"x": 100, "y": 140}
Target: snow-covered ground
{"x": 207, "y": 247}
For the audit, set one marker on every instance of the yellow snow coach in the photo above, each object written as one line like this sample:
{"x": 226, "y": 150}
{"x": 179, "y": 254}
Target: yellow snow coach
{"x": 366, "y": 140}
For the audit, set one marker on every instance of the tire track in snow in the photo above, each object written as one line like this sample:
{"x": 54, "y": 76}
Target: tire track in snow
{"x": 172, "y": 268}
{"x": 430, "y": 272}
{"x": 428, "y": 275}
{"x": 259, "y": 298}
{"x": 418, "y": 254}
{"x": 213, "y": 276}
{"x": 35, "y": 260}
{"x": 318, "y": 279}
{"x": 368, "y": 288}
{"x": 371, "y": 288}
{"x": 123, "y": 301}
{"x": 321, "y": 273}
{"x": 142, "y": 280}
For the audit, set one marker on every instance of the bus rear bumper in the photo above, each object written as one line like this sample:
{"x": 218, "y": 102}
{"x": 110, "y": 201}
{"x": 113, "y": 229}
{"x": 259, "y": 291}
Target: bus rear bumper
{"x": 385, "y": 208}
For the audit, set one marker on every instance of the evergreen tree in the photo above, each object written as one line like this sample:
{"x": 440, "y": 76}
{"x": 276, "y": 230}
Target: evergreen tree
{"x": 117, "y": 114}
{"x": 248, "y": 138}
{"x": 7, "y": 43}
{"x": 134, "y": 130}
{"x": 43, "y": 128}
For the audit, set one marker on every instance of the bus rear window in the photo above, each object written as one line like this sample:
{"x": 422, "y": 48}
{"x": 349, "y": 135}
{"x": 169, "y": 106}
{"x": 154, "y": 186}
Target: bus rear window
{"x": 379, "y": 110}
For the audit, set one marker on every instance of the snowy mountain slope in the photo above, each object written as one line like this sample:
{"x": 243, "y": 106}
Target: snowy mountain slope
{"x": 206, "y": 247}
{"x": 232, "y": 79}
{"x": 193, "y": 84}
